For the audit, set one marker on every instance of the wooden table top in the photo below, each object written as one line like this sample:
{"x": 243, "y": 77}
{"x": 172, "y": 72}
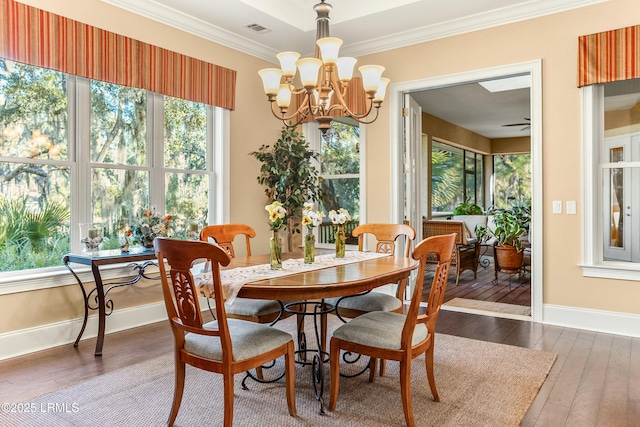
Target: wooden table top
{"x": 341, "y": 280}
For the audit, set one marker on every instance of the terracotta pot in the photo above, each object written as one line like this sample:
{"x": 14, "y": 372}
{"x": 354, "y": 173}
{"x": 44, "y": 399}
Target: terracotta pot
{"x": 509, "y": 259}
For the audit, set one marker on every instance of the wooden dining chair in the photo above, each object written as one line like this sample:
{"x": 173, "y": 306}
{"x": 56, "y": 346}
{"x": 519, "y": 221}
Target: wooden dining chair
{"x": 224, "y": 346}
{"x": 353, "y": 306}
{"x": 253, "y": 310}
{"x": 392, "y": 336}
{"x": 386, "y": 235}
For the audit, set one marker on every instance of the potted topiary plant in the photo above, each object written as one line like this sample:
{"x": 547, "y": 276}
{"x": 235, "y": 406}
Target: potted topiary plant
{"x": 509, "y": 226}
{"x": 288, "y": 173}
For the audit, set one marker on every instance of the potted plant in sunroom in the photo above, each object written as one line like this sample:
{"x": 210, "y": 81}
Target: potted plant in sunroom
{"x": 509, "y": 226}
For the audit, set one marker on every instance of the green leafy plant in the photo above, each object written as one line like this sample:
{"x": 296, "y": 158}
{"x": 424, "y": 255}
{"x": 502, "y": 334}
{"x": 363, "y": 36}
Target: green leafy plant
{"x": 510, "y": 225}
{"x": 467, "y": 209}
{"x": 289, "y": 176}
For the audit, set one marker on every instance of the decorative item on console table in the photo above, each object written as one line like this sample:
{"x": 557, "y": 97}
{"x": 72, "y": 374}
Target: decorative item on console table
{"x": 510, "y": 225}
{"x": 340, "y": 218}
{"x": 148, "y": 225}
{"x": 91, "y": 236}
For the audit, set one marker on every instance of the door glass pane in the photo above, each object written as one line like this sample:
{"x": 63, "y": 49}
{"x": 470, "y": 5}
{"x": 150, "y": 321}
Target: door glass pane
{"x": 340, "y": 150}
{"x": 340, "y": 193}
{"x": 118, "y": 124}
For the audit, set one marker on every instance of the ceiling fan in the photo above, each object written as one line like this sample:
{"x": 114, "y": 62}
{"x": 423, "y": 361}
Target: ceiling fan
{"x": 527, "y": 124}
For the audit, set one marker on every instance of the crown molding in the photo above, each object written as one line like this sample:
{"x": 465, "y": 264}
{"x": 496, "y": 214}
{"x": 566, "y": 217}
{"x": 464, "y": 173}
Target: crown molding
{"x": 481, "y": 21}
{"x": 489, "y": 19}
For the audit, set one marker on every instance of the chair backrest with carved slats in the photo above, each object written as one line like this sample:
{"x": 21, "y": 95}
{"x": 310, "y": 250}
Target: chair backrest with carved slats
{"x": 386, "y": 236}
{"x": 442, "y": 247}
{"x": 224, "y": 235}
{"x": 178, "y": 287}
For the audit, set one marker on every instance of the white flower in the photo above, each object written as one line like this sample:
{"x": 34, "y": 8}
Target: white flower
{"x": 339, "y": 217}
{"x": 308, "y": 206}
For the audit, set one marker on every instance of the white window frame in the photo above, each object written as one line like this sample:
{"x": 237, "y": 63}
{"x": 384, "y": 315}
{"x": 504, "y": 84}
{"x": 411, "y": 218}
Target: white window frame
{"x": 312, "y": 135}
{"x": 593, "y": 263}
{"x": 79, "y": 98}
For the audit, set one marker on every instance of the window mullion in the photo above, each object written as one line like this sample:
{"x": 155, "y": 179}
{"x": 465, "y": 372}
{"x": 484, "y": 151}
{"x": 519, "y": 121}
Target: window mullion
{"x": 155, "y": 150}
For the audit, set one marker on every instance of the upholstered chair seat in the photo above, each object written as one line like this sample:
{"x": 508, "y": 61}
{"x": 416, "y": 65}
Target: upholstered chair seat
{"x": 381, "y": 329}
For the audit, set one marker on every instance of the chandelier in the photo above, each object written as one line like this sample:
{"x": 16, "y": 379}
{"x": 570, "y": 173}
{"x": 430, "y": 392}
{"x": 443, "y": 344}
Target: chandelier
{"x": 325, "y": 82}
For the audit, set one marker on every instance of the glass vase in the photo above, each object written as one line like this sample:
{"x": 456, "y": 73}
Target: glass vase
{"x": 309, "y": 248}
{"x": 340, "y": 242}
{"x": 275, "y": 251}
{"x": 91, "y": 236}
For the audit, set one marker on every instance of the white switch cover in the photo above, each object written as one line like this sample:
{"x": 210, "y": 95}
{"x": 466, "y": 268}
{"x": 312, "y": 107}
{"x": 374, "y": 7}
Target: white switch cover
{"x": 571, "y": 207}
{"x": 557, "y": 206}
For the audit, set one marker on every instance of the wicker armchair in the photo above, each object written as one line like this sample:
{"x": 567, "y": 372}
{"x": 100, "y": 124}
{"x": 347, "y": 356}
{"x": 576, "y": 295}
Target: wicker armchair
{"x": 466, "y": 252}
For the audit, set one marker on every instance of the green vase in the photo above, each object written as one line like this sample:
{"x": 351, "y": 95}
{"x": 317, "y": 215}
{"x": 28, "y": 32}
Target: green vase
{"x": 275, "y": 251}
{"x": 340, "y": 242}
{"x": 309, "y": 248}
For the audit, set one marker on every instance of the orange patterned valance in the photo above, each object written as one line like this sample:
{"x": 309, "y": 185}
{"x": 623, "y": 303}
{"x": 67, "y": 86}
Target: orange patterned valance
{"x": 609, "y": 56}
{"x": 36, "y": 37}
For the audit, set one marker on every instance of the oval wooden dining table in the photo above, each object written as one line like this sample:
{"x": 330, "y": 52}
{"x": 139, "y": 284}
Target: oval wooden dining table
{"x": 316, "y": 285}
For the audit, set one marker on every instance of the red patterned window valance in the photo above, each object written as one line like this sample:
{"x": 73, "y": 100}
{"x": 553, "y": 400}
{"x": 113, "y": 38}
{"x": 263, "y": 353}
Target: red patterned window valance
{"x": 36, "y": 37}
{"x": 609, "y": 56}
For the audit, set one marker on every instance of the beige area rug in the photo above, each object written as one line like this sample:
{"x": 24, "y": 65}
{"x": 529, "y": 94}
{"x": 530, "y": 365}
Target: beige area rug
{"x": 480, "y": 384}
{"x": 488, "y": 307}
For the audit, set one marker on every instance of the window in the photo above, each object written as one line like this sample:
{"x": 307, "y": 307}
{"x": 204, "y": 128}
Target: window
{"x": 611, "y": 231}
{"x": 35, "y": 178}
{"x": 341, "y": 159}
{"x": 456, "y": 177}
{"x": 512, "y": 180}
{"x": 76, "y": 150}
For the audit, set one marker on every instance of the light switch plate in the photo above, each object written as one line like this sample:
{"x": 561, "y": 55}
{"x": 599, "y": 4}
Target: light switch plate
{"x": 571, "y": 207}
{"x": 557, "y": 206}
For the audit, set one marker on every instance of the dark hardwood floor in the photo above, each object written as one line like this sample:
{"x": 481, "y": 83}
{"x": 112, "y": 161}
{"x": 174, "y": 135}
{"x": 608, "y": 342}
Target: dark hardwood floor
{"x": 594, "y": 382}
{"x": 508, "y": 289}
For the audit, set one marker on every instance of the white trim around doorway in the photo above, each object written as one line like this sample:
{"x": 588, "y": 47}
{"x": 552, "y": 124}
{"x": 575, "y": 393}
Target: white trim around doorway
{"x": 396, "y": 99}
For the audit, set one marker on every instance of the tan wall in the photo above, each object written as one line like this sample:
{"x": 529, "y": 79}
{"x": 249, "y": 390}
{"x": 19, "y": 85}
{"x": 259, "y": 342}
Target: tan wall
{"x": 521, "y": 144}
{"x": 552, "y": 38}
{"x": 455, "y": 135}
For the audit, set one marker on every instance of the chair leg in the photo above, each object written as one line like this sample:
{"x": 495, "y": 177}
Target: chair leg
{"x": 290, "y": 379}
{"x": 177, "y": 392}
{"x": 259, "y": 373}
{"x": 334, "y": 362}
{"x": 228, "y": 399}
{"x": 383, "y": 367}
{"x": 405, "y": 391}
{"x": 430, "y": 376}
{"x": 373, "y": 367}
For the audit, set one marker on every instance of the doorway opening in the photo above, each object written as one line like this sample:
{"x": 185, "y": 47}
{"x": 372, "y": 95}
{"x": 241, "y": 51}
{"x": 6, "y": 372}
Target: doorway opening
{"x": 476, "y": 137}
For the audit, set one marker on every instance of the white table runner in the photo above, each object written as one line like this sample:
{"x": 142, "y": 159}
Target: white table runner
{"x": 234, "y": 279}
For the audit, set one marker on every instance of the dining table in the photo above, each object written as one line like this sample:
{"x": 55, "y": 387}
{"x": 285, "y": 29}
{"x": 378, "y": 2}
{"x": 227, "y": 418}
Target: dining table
{"x": 304, "y": 288}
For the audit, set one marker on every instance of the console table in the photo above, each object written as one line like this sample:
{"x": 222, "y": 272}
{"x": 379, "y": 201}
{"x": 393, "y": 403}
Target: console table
{"x": 138, "y": 258}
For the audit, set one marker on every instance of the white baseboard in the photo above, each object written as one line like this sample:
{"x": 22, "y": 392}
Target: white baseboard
{"x": 29, "y": 340}
{"x": 592, "y": 320}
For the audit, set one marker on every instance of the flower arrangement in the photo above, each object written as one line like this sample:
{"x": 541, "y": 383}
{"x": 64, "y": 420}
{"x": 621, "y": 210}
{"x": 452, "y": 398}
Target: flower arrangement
{"x": 340, "y": 217}
{"x": 277, "y": 216}
{"x": 310, "y": 218}
{"x": 148, "y": 225}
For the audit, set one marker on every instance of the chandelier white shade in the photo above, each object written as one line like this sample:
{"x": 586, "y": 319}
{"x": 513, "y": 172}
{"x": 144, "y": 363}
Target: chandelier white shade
{"x": 325, "y": 82}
